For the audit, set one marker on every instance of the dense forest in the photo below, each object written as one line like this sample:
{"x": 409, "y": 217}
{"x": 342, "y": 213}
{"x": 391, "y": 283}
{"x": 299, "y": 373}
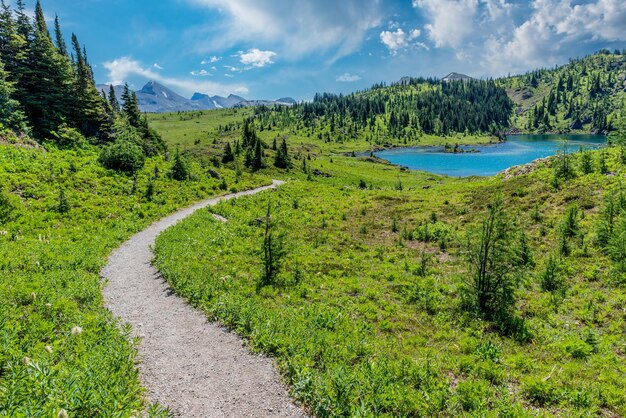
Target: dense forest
{"x": 587, "y": 94}
{"x": 403, "y": 111}
{"x": 48, "y": 92}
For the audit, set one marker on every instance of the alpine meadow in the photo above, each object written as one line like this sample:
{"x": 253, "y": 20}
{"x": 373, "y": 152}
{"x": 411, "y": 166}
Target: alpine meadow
{"x": 179, "y": 250}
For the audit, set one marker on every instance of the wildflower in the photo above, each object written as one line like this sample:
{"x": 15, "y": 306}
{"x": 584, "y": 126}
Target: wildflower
{"x": 26, "y": 361}
{"x": 48, "y": 305}
{"x": 48, "y": 349}
{"x": 77, "y": 331}
{"x": 33, "y": 296}
{"x": 62, "y": 414}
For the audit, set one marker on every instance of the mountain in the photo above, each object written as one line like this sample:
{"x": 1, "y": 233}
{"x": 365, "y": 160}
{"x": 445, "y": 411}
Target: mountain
{"x": 585, "y": 95}
{"x": 205, "y": 101}
{"x": 228, "y": 102}
{"x": 286, "y": 100}
{"x": 156, "y": 98}
{"x": 457, "y": 77}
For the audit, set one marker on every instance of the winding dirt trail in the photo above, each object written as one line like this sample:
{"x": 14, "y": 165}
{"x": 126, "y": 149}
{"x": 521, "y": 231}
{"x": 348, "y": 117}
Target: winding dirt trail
{"x": 193, "y": 367}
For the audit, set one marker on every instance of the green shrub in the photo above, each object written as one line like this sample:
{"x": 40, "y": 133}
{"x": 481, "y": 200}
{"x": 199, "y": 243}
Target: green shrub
{"x": 578, "y": 349}
{"x": 586, "y": 162}
{"x": 551, "y": 279}
{"x": 569, "y": 227}
{"x": 617, "y": 246}
{"x": 426, "y": 295}
{"x": 63, "y": 205}
{"x": 541, "y": 392}
{"x": 68, "y": 138}
{"x": 123, "y": 156}
{"x": 473, "y": 394}
{"x": 8, "y": 205}
{"x": 488, "y": 351}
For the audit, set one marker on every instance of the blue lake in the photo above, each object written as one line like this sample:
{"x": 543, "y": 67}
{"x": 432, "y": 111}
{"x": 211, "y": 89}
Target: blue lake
{"x": 491, "y": 159}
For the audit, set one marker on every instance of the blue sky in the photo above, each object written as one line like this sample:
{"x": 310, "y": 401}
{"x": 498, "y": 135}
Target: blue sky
{"x": 276, "y": 48}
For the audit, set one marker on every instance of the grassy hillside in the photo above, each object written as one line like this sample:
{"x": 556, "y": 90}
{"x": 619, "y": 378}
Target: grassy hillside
{"x": 368, "y": 314}
{"x": 586, "y": 95}
{"x": 415, "y": 112}
{"x": 61, "y": 214}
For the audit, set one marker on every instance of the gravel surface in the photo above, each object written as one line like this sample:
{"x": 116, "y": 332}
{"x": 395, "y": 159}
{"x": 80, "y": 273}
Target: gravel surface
{"x": 193, "y": 367}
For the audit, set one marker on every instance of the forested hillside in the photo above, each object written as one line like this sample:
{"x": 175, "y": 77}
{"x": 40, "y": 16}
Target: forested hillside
{"x": 403, "y": 112}
{"x": 586, "y": 94}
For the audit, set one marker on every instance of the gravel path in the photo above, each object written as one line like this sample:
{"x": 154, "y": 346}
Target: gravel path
{"x": 195, "y": 368}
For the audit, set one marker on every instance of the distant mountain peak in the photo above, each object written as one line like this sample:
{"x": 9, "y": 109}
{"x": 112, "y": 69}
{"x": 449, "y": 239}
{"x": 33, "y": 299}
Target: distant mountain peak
{"x": 457, "y": 77}
{"x": 286, "y": 100}
{"x": 200, "y": 96}
{"x": 156, "y": 98}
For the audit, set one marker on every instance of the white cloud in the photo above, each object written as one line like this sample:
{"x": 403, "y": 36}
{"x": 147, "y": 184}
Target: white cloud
{"x": 395, "y": 41}
{"x": 553, "y": 32}
{"x": 229, "y": 75}
{"x": 295, "y": 28}
{"x": 451, "y": 20}
{"x": 121, "y": 69}
{"x": 201, "y": 73}
{"x": 211, "y": 60}
{"x": 257, "y": 58}
{"x": 157, "y": 66}
{"x": 505, "y": 36}
{"x": 348, "y": 78}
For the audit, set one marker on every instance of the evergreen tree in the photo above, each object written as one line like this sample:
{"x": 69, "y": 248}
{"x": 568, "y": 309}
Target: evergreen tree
{"x": 23, "y": 22}
{"x": 491, "y": 254}
{"x": 11, "y": 116}
{"x": 273, "y": 251}
{"x": 115, "y": 104}
{"x": 180, "y": 169}
{"x": 258, "y": 157}
{"x": 586, "y": 163}
{"x": 46, "y": 81}
{"x": 13, "y": 48}
{"x": 90, "y": 114}
{"x": 60, "y": 42}
{"x": 282, "y": 159}
{"x": 130, "y": 107}
{"x": 228, "y": 155}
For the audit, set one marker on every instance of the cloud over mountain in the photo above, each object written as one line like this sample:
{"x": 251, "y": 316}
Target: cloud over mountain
{"x": 295, "y": 27}
{"x": 121, "y": 69}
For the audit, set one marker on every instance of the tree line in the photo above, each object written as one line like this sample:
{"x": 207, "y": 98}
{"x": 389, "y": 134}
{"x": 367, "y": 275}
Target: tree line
{"x": 428, "y": 105}
{"x": 48, "y": 91}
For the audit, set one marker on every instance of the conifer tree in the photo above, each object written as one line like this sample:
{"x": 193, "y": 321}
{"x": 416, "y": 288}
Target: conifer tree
{"x": 282, "y": 159}
{"x": 13, "y": 48}
{"x": 180, "y": 170}
{"x": 228, "y": 156}
{"x": 130, "y": 107}
{"x": 115, "y": 105}
{"x": 23, "y": 22}
{"x": 46, "y": 81}
{"x": 11, "y": 116}
{"x": 61, "y": 46}
{"x": 90, "y": 116}
{"x": 258, "y": 161}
